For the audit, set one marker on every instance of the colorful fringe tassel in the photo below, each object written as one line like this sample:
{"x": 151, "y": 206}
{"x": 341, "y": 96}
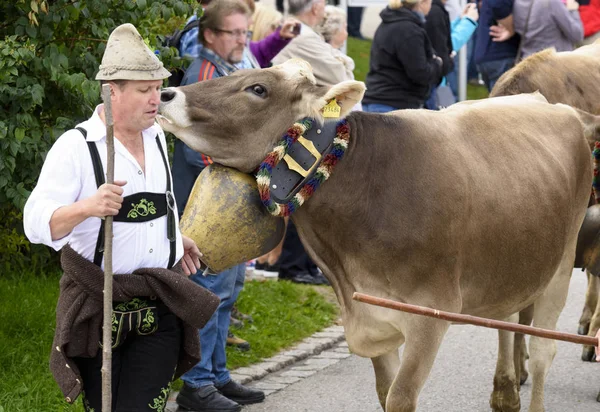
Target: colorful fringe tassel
{"x": 263, "y": 177}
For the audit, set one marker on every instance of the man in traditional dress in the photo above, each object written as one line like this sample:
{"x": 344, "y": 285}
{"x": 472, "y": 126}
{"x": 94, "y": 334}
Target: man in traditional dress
{"x": 157, "y": 309}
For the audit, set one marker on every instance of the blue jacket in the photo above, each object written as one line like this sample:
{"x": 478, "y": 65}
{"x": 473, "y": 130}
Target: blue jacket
{"x": 485, "y": 49}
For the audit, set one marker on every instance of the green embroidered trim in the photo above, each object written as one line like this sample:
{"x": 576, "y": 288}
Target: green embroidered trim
{"x": 160, "y": 402}
{"x": 144, "y": 208}
{"x": 148, "y": 323}
{"x": 133, "y": 304}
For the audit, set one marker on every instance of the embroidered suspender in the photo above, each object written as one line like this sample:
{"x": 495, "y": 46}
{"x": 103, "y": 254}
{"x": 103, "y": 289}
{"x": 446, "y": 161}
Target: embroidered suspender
{"x": 159, "y": 204}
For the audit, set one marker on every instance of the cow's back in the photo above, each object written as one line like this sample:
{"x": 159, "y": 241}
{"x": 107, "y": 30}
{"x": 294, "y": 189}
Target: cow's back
{"x": 487, "y": 190}
{"x": 571, "y": 78}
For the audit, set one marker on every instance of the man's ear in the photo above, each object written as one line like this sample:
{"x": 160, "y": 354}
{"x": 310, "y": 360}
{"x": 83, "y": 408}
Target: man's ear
{"x": 209, "y": 36}
{"x": 346, "y": 94}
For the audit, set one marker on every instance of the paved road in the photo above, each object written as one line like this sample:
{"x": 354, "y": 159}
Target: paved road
{"x": 461, "y": 380}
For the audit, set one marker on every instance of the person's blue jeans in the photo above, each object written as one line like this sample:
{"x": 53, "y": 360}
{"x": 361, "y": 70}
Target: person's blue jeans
{"x": 378, "y": 108}
{"x": 431, "y": 102}
{"x": 492, "y": 70}
{"x": 212, "y": 368}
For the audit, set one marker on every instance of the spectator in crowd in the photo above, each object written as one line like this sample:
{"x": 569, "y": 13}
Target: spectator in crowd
{"x": 208, "y": 385}
{"x": 437, "y": 26}
{"x": 494, "y": 57}
{"x": 544, "y": 24}
{"x": 270, "y": 34}
{"x": 258, "y": 53}
{"x": 462, "y": 29}
{"x": 590, "y": 17}
{"x": 310, "y": 46}
{"x": 334, "y": 32}
{"x": 265, "y": 21}
{"x": 403, "y": 64}
{"x": 355, "y": 15}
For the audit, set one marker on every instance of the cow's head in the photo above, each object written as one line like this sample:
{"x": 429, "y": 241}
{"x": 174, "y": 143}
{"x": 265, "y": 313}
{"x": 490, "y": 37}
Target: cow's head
{"x": 238, "y": 119}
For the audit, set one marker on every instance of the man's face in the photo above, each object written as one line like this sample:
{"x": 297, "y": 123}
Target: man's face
{"x": 135, "y": 103}
{"x": 229, "y": 41}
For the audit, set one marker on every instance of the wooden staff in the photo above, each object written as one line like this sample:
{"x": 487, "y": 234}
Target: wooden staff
{"x": 477, "y": 321}
{"x": 108, "y": 271}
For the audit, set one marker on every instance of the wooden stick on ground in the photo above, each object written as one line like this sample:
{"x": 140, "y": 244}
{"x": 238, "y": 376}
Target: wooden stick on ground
{"x": 108, "y": 271}
{"x": 477, "y": 321}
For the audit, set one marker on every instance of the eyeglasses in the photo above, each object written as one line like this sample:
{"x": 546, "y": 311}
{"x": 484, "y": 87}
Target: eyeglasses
{"x": 235, "y": 33}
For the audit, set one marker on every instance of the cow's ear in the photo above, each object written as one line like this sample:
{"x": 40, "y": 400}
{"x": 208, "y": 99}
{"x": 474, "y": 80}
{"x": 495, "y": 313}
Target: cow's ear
{"x": 347, "y": 94}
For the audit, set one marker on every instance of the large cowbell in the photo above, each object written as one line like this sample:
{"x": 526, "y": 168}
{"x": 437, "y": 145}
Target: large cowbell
{"x": 226, "y": 219}
{"x": 588, "y": 242}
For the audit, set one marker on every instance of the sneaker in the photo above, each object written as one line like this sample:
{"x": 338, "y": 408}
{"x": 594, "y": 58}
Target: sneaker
{"x": 237, "y": 342}
{"x": 271, "y": 271}
{"x": 241, "y": 394}
{"x": 206, "y": 399}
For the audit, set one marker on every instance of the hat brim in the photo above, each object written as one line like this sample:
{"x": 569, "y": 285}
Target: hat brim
{"x": 157, "y": 74}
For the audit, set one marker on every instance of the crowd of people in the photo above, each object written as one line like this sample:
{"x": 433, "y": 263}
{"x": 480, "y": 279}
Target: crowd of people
{"x": 412, "y": 61}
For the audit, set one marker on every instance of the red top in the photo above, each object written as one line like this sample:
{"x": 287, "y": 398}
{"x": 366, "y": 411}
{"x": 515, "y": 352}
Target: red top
{"x": 590, "y": 16}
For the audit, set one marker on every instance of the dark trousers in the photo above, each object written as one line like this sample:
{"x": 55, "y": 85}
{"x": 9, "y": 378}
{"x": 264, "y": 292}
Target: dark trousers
{"x": 354, "y": 21}
{"x": 294, "y": 260}
{"x": 142, "y": 364}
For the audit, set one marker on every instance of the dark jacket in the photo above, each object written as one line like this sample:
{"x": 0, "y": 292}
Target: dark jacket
{"x": 80, "y": 308}
{"x": 402, "y": 68}
{"x": 438, "y": 31}
{"x": 487, "y": 50}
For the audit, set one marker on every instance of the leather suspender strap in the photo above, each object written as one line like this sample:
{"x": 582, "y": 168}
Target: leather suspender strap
{"x": 99, "y": 174}
{"x": 171, "y": 232}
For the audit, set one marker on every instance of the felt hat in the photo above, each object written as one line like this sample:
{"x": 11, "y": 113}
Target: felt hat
{"x": 128, "y": 58}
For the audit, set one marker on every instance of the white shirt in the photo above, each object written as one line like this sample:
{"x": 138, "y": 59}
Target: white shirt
{"x": 68, "y": 176}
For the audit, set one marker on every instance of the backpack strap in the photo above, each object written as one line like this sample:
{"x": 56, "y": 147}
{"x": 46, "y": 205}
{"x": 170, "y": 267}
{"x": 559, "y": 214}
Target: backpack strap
{"x": 99, "y": 175}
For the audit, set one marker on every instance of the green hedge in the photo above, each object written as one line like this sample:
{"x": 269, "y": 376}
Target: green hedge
{"x": 49, "y": 54}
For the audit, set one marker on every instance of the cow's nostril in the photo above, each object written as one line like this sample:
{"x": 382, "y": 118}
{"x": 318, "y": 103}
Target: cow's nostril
{"x": 167, "y": 95}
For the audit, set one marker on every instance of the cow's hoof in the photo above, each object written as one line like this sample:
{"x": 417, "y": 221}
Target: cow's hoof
{"x": 598, "y": 398}
{"x": 588, "y": 354}
{"x": 583, "y": 329}
{"x": 523, "y": 377}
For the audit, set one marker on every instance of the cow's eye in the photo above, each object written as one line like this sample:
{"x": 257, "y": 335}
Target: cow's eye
{"x": 258, "y": 90}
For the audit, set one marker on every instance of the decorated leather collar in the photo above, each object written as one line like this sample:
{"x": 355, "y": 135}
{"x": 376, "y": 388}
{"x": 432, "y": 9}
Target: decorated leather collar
{"x": 309, "y": 150}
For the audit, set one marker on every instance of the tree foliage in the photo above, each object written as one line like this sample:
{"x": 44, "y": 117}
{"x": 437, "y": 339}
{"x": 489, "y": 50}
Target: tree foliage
{"x": 50, "y": 51}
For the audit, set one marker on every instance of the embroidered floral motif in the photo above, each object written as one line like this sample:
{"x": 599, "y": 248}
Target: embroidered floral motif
{"x": 160, "y": 402}
{"x": 144, "y": 208}
{"x": 148, "y": 323}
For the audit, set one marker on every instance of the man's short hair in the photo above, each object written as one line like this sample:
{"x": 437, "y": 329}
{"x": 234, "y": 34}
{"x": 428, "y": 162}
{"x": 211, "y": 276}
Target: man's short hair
{"x": 296, "y": 7}
{"x": 216, "y": 11}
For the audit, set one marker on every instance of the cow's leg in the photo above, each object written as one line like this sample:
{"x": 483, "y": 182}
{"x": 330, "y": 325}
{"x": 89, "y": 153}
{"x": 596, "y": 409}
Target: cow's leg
{"x": 505, "y": 396}
{"x": 547, "y": 309}
{"x": 591, "y": 296}
{"x": 423, "y": 339}
{"x": 386, "y": 367}
{"x": 521, "y": 355}
{"x": 591, "y": 299}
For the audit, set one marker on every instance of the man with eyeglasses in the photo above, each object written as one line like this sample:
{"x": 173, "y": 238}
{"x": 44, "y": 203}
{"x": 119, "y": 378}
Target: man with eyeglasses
{"x": 208, "y": 386}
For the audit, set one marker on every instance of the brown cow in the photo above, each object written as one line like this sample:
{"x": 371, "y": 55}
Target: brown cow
{"x": 474, "y": 209}
{"x": 571, "y": 78}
